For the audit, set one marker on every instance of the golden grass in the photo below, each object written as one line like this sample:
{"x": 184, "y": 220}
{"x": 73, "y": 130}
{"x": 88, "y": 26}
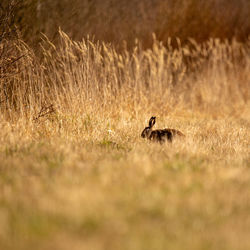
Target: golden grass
{"x": 82, "y": 178}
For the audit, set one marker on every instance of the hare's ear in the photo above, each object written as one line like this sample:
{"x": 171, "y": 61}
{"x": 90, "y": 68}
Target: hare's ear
{"x": 152, "y": 121}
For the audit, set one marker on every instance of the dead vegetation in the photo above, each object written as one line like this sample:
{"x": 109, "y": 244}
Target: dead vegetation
{"x": 74, "y": 171}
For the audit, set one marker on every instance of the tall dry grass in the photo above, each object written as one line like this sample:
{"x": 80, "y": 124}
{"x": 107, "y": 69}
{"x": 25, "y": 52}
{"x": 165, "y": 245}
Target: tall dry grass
{"x": 74, "y": 172}
{"x": 212, "y": 77}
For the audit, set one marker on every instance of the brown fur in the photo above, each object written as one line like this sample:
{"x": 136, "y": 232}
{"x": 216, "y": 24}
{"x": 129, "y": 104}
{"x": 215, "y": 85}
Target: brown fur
{"x": 159, "y": 135}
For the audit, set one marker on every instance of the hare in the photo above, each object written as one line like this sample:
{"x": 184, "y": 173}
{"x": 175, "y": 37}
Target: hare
{"x": 159, "y": 135}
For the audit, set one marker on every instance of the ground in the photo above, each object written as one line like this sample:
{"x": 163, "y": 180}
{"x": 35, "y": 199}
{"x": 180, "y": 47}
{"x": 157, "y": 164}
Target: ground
{"x": 92, "y": 183}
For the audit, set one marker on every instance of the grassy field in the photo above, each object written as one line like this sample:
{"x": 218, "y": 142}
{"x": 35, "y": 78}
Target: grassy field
{"x": 74, "y": 172}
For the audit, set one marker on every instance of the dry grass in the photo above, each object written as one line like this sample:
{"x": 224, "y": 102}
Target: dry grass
{"x": 80, "y": 177}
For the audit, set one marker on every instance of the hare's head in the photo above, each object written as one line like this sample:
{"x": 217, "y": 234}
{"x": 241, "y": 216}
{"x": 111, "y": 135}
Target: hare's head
{"x": 147, "y": 131}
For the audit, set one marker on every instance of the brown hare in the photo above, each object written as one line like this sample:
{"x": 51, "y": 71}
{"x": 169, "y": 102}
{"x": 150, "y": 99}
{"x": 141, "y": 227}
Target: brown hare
{"x": 159, "y": 135}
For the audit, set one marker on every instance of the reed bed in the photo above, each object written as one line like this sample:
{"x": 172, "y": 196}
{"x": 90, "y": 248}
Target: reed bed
{"x": 212, "y": 77}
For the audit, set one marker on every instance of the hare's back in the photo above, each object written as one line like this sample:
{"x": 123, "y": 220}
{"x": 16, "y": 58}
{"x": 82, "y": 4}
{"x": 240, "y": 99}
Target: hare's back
{"x": 169, "y": 134}
{"x": 161, "y": 135}
{"x": 174, "y": 131}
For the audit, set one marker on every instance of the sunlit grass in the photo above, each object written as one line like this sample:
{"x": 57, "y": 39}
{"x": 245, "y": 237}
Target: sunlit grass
{"x": 118, "y": 191}
{"x": 81, "y": 177}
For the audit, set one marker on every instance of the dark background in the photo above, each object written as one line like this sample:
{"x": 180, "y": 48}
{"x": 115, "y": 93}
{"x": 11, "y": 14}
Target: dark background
{"x": 124, "y": 20}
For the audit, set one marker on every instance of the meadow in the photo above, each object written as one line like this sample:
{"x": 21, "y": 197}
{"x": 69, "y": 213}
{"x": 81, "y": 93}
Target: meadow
{"x": 74, "y": 171}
